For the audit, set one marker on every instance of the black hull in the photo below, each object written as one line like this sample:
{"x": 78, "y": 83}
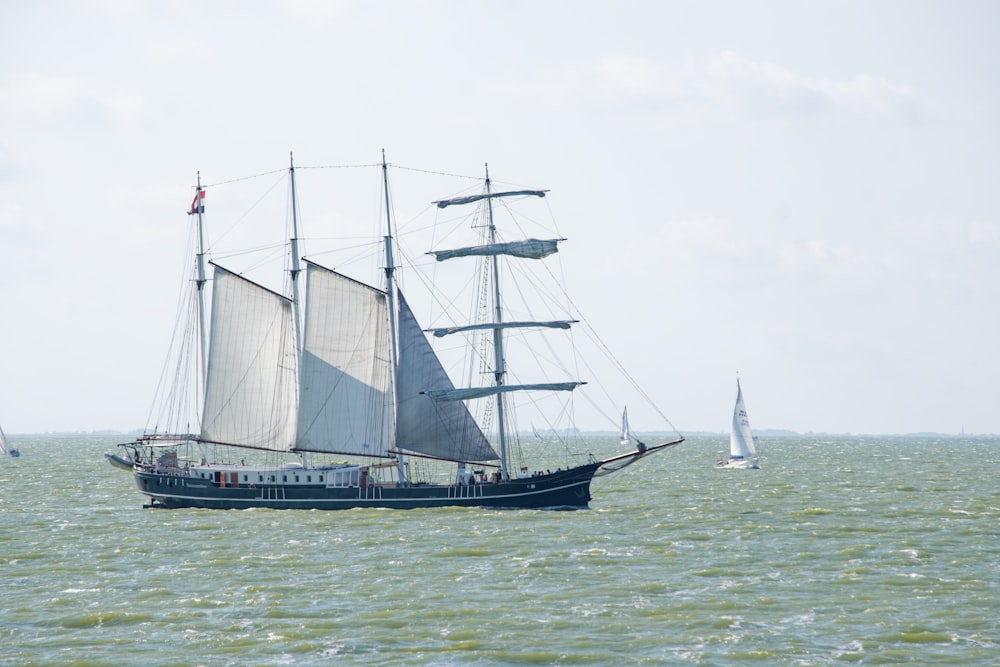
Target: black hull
{"x": 569, "y": 489}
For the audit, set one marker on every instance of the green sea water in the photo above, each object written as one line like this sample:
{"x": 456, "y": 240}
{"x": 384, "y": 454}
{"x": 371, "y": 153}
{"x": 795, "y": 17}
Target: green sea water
{"x": 848, "y": 550}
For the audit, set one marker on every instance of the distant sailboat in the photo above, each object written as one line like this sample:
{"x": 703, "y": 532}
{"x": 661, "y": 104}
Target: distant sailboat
{"x": 5, "y": 448}
{"x": 626, "y": 438}
{"x": 742, "y": 453}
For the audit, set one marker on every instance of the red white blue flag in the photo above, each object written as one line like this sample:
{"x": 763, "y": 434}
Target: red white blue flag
{"x": 198, "y": 203}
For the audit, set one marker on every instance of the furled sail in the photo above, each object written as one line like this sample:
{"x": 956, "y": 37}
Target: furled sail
{"x": 740, "y": 437}
{"x": 250, "y": 388}
{"x": 444, "y": 203}
{"x": 444, "y": 430}
{"x": 554, "y": 324}
{"x": 528, "y": 249}
{"x": 482, "y": 392}
{"x": 345, "y": 403}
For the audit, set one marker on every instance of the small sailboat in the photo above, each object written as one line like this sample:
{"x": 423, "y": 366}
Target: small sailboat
{"x": 626, "y": 436}
{"x": 336, "y": 367}
{"x": 742, "y": 453}
{"x": 5, "y": 448}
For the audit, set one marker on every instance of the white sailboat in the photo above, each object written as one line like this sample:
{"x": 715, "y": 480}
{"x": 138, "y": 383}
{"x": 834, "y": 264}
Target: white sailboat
{"x": 742, "y": 453}
{"x": 626, "y": 437}
{"x": 338, "y": 368}
{"x": 5, "y": 448}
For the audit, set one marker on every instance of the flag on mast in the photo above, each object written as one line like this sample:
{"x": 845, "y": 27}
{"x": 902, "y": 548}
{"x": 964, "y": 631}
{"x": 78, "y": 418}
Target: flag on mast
{"x": 198, "y": 203}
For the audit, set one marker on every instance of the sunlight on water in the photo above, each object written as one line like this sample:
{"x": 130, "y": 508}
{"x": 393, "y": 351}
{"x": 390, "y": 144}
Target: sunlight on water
{"x": 858, "y": 550}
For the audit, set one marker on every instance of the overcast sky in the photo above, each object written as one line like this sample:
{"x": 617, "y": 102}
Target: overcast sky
{"x": 801, "y": 192}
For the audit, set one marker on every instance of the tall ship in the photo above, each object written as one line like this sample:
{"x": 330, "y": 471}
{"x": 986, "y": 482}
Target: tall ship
{"x": 328, "y": 393}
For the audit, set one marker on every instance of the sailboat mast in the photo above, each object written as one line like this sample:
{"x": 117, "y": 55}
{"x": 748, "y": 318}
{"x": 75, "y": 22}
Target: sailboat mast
{"x": 295, "y": 265}
{"x": 390, "y": 288}
{"x": 499, "y": 365}
{"x": 293, "y": 271}
{"x": 200, "y": 281}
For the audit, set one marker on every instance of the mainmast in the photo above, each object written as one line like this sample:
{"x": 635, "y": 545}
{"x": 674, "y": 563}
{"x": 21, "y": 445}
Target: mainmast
{"x": 295, "y": 266}
{"x": 293, "y": 272}
{"x": 390, "y": 269}
{"x": 499, "y": 369}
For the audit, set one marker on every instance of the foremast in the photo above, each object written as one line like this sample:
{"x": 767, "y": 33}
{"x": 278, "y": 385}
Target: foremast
{"x": 499, "y": 367}
{"x": 493, "y": 249}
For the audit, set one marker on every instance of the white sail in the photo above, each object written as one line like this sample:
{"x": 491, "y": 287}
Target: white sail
{"x": 740, "y": 436}
{"x": 443, "y": 429}
{"x": 626, "y": 436}
{"x": 250, "y": 387}
{"x": 345, "y": 403}
{"x": 3, "y": 443}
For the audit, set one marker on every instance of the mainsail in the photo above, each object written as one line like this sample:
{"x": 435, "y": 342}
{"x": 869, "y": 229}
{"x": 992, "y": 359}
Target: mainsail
{"x": 250, "y": 386}
{"x": 740, "y": 436}
{"x": 345, "y": 403}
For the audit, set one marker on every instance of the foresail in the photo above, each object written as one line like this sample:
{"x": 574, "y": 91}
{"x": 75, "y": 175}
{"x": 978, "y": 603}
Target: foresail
{"x": 526, "y": 249}
{"x": 250, "y": 388}
{"x": 444, "y": 430}
{"x": 741, "y": 437}
{"x": 345, "y": 403}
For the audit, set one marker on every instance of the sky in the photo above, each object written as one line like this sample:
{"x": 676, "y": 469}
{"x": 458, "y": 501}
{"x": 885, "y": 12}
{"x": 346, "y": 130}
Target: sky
{"x": 800, "y": 193}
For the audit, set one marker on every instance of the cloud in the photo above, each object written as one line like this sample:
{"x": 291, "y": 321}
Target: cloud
{"x": 321, "y": 10}
{"x": 722, "y": 252}
{"x": 728, "y": 80}
{"x": 38, "y": 97}
{"x": 934, "y": 233}
{"x": 834, "y": 261}
{"x": 42, "y": 98}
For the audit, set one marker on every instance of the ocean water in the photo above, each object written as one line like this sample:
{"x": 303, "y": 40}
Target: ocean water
{"x": 848, "y": 550}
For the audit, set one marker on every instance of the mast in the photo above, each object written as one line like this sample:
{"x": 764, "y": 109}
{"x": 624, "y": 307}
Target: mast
{"x": 499, "y": 365}
{"x": 295, "y": 266}
{"x": 198, "y": 209}
{"x": 390, "y": 269}
{"x": 293, "y": 272}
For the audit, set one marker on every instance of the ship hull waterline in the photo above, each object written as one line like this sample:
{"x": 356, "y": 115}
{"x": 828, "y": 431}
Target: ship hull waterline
{"x": 568, "y": 489}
